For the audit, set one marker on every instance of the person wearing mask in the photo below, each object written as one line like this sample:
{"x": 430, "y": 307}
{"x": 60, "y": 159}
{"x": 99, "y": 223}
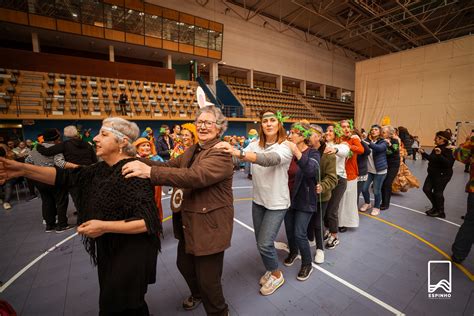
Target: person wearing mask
{"x": 328, "y": 181}
{"x": 270, "y": 157}
{"x": 465, "y": 236}
{"x": 377, "y": 168}
{"x": 302, "y": 178}
{"x": 121, "y": 238}
{"x": 393, "y": 165}
{"x": 204, "y": 226}
{"x": 440, "y": 171}
{"x": 334, "y": 145}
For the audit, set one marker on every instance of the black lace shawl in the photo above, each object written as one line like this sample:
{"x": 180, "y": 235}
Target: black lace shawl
{"x": 106, "y": 195}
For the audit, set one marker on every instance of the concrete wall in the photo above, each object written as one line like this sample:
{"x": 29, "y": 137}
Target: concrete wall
{"x": 251, "y": 46}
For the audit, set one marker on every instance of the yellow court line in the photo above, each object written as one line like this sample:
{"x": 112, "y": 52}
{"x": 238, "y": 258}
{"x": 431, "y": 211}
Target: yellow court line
{"x": 444, "y": 254}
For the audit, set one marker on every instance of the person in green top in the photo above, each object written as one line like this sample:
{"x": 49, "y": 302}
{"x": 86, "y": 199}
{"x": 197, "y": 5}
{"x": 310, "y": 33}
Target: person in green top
{"x": 324, "y": 188}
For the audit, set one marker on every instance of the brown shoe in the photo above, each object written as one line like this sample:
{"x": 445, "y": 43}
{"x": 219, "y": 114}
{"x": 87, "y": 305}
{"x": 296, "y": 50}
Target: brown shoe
{"x": 191, "y": 303}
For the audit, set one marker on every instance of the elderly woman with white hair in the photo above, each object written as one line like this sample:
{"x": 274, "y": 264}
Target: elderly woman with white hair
{"x": 120, "y": 226}
{"x": 204, "y": 211}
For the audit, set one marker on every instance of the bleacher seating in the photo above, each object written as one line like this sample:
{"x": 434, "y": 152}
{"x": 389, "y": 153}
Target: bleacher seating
{"x": 28, "y": 94}
{"x": 259, "y": 99}
{"x": 331, "y": 109}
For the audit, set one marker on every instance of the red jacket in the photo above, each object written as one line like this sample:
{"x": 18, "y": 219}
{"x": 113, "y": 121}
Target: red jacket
{"x": 351, "y": 162}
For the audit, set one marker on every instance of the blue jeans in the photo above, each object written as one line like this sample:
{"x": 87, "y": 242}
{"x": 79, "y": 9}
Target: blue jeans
{"x": 378, "y": 181}
{"x": 266, "y": 224}
{"x": 296, "y": 225}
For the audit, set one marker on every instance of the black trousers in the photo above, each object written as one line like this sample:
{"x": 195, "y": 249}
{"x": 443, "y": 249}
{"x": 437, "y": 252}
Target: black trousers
{"x": 465, "y": 236}
{"x": 331, "y": 218}
{"x": 203, "y": 275}
{"x": 392, "y": 172}
{"x": 141, "y": 311}
{"x": 434, "y": 187}
{"x": 54, "y": 201}
{"x": 315, "y": 227}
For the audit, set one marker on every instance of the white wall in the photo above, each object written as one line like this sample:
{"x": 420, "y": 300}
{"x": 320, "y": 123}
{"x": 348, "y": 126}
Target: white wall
{"x": 251, "y": 46}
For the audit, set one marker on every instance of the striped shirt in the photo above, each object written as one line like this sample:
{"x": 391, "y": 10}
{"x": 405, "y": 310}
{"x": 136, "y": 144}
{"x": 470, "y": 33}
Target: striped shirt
{"x": 35, "y": 158}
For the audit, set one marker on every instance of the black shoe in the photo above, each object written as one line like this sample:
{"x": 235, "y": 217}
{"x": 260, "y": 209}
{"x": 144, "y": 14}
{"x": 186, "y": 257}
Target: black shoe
{"x": 439, "y": 214}
{"x": 50, "y": 228}
{"x": 305, "y": 272}
{"x": 62, "y": 229}
{"x": 431, "y": 210}
{"x": 342, "y": 229}
{"x": 326, "y": 236}
{"x": 456, "y": 259}
{"x": 290, "y": 259}
{"x": 383, "y": 207}
{"x": 191, "y": 303}
{"x": 249, "y": 177}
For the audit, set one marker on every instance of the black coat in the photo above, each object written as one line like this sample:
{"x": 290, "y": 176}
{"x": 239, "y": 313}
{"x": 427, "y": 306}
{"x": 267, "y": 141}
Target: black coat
{"x": 441, "y": 164}
{"x": 162, "y": 147}
{"x": 303, "y": 193}
{"x": 75, "y": 150}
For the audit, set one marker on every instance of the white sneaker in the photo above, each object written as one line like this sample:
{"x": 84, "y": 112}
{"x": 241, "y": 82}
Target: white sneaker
{"x": 312, "y": 243}
{"x": 170, "y": 191}
{"x": 7, "y": 206}
{"x": 163, "y": 193}
{"x": 319, "y": 257}
{"x": 365, "y": 207}
{"x": 272, "y": 284}
{"x": 265, "y": 278}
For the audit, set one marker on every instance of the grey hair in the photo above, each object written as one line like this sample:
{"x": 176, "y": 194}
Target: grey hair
{"x": 318, "y": 128}
{"x": 391, "y": 130}
{"x": 221, "y": 120}
{"x": 129, "y": 129}
{"x": 70, "y": 131}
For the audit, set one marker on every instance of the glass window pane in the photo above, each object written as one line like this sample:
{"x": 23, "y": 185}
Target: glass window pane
{"x": 215, "y": 40}
{"x": 186, "y": 33}
{"x": 134, "y": 22}
{"x": 170, "y": 30}
{"x": 68, "y": 10}
{"x": 19, "y": 5}
{"x": 41, "y": 7}
{"x": 92, "y": 13}
{"x": 114, "y": 17}
{"x": 201, "y": 37}
{"x": 153, "y": 25}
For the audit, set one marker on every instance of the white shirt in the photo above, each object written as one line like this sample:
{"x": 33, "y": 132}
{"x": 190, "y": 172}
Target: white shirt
{"x": 270, "y": 184}
{"x": 371, "y": 165}
{"x": 341, "y": 155}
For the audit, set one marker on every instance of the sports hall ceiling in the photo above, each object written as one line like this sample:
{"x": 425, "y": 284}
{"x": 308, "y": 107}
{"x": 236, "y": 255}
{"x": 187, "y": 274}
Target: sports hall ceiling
{"x": 367, "y": 28}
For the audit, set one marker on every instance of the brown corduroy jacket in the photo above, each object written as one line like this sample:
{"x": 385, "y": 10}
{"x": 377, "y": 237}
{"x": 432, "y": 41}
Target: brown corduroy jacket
{"x": 207, "y": 210}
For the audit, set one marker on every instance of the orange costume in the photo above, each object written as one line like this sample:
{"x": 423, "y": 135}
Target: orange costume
{"x": 351, "y": 163}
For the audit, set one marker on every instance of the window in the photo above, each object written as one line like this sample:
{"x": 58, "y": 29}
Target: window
{"x": 153, "y": 25}
{"x": 92, "y": 13}
{"x": 19, "y": 5}
{"x": 201, "y": 37}
{"x": 114, "y": 17}
{"x": 134, "y": 22}
{"x": 186, "y": 33}
{"x": 170, "y": 30}
{"x": 215, "y": 40}
{"x": 68, "y": 10}
{"x": 41, "y": 7}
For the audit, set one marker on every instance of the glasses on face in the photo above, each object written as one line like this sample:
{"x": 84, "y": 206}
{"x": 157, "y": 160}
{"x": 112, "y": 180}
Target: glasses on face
{"x": 207, "y": 124}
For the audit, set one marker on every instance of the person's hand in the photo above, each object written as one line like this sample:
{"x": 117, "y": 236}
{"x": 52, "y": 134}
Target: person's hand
{"x": 355, "y": 136}
{"x": 451, "y": 147}
{"x": 93, "y": 228}
{"x": 319, "y": 188}
{"x": 388, "y": 141}
{"x": 291, "y": 145}
{"x": 329, "y": 150}
{"x": 136, "y": 169}
{"x": 421, "y": 150}
{"x": 10, "y": 169}
{"x": 225, "y": 146}
{"x": 437, "y": 150}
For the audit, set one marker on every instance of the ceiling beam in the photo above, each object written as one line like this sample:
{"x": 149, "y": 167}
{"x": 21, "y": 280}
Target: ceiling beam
{"x": 423, "y": 26}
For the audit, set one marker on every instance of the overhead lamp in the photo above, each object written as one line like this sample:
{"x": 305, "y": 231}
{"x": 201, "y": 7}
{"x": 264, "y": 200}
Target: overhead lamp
{"x": 114, "y": 7}
{"x": 154, "y": 17}
{"x": 74, "y": 15}
{"x": 141, "y": 14}
{"x": 130, "y": 11}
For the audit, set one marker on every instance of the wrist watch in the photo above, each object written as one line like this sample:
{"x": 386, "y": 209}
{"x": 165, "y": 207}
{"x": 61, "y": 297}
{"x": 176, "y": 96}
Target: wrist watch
{"x": 242, "y": 153}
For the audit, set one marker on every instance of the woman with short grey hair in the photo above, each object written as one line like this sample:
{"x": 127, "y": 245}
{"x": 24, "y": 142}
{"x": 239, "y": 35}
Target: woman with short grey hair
{"x": 118, "y": 219}
{"x": 203, "y": 209}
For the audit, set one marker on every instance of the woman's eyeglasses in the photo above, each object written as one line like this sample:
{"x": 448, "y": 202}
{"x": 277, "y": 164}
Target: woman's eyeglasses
{"x": 207, "y": 124}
